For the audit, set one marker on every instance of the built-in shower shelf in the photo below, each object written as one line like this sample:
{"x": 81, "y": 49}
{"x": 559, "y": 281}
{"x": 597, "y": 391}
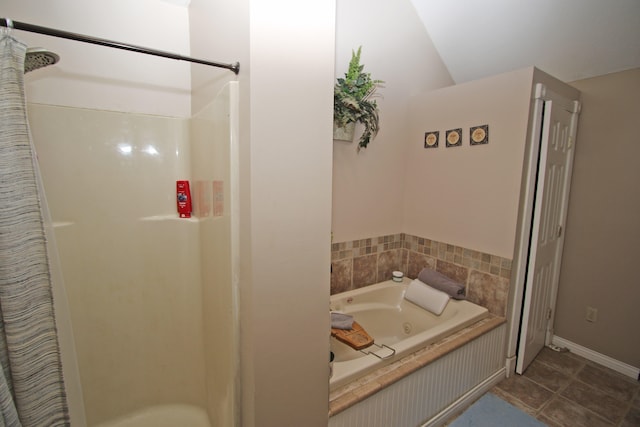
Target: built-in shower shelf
{"x": 174, "y": 217}
{"x": 60, "y": 224}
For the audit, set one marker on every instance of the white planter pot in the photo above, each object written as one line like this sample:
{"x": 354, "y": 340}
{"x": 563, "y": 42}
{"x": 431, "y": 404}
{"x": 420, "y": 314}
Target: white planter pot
{"x": 344, "y": 133}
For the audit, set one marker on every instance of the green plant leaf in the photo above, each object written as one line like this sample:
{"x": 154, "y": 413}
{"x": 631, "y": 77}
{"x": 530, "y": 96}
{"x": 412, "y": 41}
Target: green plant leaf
{"x": 351, "y": 102}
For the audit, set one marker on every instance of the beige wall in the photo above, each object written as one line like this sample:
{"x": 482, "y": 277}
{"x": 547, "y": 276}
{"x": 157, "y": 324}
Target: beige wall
{"x": 286, "y": 50}
{"x": 468, "y": 196}
{"x": 90, "y": 76}
{"x": 291, "y": 74}
{"x": 599, "y": 267}
{"x": 367, "y": 186}
{"x": 219, "y": 32}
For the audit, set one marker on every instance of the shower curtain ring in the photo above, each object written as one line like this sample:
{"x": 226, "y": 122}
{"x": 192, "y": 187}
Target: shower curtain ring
{"x": 7, "y": 26}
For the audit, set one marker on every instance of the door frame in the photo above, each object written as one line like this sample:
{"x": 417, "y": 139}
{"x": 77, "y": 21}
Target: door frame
{"x": 527, "y": 199}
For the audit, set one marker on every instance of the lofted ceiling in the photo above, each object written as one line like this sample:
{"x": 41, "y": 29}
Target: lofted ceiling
{"x": 569, "y": 39}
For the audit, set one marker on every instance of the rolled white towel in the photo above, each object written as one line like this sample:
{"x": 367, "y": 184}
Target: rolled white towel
{"x": 426, "y": 297}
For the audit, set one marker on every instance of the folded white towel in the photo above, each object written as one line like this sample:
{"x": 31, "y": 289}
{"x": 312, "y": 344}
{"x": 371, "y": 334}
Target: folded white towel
{"x": 426, "y": 297}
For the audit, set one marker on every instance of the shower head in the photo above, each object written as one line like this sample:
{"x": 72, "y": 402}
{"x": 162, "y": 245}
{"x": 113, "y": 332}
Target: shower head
{"x": 37, "y": 57}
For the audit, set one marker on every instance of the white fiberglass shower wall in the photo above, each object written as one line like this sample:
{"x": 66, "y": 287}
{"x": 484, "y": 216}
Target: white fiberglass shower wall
{"x": 150, "y": 294}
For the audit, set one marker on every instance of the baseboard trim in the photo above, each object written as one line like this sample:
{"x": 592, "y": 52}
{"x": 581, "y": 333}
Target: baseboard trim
{"x": 466, "y": 399}
{"x": 594, "y": 356}
{"x": 510, "y": 365}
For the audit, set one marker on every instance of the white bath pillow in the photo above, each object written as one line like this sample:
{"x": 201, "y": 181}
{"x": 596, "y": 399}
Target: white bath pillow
{"x": 426, "y": 297}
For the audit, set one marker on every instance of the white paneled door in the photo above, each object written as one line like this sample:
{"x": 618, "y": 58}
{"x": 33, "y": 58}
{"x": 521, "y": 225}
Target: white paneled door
{"x": 559, "y": 123}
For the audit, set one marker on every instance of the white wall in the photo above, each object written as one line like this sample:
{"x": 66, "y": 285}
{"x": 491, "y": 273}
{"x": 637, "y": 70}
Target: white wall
{"x": 220, "y": 32}
{"x": 219, "y": 28}
{"x": 367, "y": 186}
{"x": 291, "y": 73}
{"x": 286, "y": 55}
{"x": 97, "y": 77}
{"x": 468, "y": 196}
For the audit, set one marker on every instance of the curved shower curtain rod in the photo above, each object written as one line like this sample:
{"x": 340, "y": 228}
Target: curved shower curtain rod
{"x": 6, "y": 22}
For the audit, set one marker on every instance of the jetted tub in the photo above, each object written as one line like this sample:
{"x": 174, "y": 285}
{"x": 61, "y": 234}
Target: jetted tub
{"x": 397, "y": 326}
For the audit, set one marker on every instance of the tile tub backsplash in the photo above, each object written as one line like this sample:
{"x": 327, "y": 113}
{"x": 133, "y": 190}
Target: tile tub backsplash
{"x": 364, "y": 262}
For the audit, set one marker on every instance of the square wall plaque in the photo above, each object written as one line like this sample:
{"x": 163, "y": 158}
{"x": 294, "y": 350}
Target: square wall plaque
{"x": 479, "y": 135}
{"x": 454, "y": 137}
{"x": 431, "y": 139}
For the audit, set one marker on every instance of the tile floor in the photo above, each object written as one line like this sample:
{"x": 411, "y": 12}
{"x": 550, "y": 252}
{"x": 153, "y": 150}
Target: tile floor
{"x": 566, "y": 390}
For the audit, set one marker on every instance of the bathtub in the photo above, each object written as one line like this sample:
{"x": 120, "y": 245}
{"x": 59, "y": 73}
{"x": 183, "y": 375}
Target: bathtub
{"x": 397, "y": 326}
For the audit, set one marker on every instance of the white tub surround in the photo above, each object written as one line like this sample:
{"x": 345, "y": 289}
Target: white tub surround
{"x": 355, "y": 392}
{"x": 427, "y": 387}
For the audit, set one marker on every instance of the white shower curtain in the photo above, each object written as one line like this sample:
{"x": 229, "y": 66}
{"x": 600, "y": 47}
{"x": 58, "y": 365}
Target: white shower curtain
{"x": 32, "y": 391}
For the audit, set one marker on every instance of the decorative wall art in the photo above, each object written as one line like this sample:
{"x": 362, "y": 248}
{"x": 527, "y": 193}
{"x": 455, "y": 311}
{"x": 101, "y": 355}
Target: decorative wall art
{"x": 454, "y": 137}
{"x": 479, "y": 135}
{"x": 431, "y": 139}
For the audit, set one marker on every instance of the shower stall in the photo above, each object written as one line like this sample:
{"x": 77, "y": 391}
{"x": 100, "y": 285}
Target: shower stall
{"x": 152, "y": 297}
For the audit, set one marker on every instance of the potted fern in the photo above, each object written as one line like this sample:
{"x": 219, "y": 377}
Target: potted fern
{"x": 352, "y": 102}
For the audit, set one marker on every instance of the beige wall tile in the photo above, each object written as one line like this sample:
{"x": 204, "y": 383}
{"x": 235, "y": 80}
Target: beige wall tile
{"x": 373, "y": 259}
{"x": 488, "y": 291}
{"x": 365, "y": 270}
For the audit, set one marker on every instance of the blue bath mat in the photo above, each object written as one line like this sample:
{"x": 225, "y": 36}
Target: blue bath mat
{"x": 491, "y": 411}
